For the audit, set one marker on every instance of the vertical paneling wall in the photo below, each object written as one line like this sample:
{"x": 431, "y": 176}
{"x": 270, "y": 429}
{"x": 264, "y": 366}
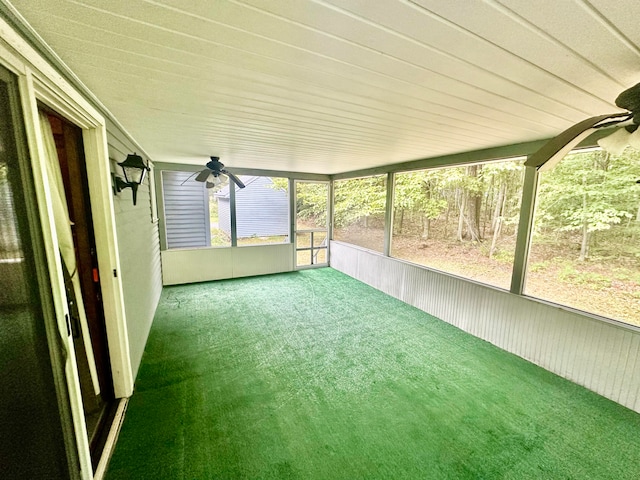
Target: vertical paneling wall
{"x": 139, "y": 247}
{"x": 603, "y": 357}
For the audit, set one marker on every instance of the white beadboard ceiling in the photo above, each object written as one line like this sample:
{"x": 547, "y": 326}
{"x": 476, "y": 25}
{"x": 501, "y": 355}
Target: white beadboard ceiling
{"x": 330, "y": 86}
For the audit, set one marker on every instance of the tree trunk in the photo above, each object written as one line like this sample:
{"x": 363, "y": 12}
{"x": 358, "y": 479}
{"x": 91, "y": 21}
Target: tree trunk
{"x": 499, "y": 208}
{"x": 496, "y": 236}
{"x": 584, "y": 247}
{"x": 446, "y": 219}
{"x": 426, "y": 227}
{"x": 498, "y": 217}
{"x": 475, "y": 202}
{"x": 461, "y": 222}
{"x": 490, "y": 205}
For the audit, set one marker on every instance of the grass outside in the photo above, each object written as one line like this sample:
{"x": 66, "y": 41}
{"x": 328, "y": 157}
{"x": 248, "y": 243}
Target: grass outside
{"x": 267, "y": 240}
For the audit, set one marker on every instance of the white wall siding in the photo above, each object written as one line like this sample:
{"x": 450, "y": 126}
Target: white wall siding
{"x": 186, "y": 210}
{"x": 203, "y": 264}
{"x": 602, "y": 356}
{"x": 139, "y": 247}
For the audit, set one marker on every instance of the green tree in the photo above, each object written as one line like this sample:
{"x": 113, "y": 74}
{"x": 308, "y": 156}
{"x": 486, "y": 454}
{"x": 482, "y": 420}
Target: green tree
{"x": 420, "y": 194}
{"x": 588, "y": 193}
{"x": 359, "y": 199}
{"x": 311, "y": 202}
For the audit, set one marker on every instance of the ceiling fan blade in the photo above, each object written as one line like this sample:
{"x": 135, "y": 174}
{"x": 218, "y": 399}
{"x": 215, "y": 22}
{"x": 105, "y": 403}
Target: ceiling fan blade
{"x": 235, "y": 179}
{"x": 203, "y": 175}
{"x": 556, "y": 148}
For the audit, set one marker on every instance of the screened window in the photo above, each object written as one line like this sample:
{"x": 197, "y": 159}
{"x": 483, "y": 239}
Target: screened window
{"x": 461, "y": 220}
{"x": 196, "y": 216}
{"x": 262, "y": 210}
{"x": 585, "y": 248}
{"x": 359, "y": 207}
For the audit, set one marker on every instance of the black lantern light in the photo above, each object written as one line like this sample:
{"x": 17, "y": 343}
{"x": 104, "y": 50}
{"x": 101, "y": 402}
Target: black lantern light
{"x": 134, "y": 170}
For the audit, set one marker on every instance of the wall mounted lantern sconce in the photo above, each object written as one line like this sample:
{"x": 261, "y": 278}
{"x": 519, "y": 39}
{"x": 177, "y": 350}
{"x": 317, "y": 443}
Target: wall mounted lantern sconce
{"x": 134, "y": 170}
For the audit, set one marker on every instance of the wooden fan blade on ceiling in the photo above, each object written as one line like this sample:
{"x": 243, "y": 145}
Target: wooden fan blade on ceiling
{"x": 203, "y": 175}
{"x": 556, "y": 148}
{"x": 235, "y": 179}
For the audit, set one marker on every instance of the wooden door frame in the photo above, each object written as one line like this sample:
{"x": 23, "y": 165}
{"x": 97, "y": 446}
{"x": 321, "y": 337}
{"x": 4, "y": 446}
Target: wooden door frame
{"x": 101, "y": 200}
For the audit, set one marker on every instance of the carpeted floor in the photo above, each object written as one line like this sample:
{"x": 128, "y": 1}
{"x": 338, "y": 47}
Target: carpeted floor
{"x": 314, "y": 375}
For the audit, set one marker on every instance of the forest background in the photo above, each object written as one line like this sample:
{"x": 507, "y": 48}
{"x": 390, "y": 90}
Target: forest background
{"x": 584, "y": 252}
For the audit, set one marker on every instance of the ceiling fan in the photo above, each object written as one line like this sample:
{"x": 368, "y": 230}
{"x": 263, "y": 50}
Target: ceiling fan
{"x": 215, "y": 169}
{"x": 556, "y": 148}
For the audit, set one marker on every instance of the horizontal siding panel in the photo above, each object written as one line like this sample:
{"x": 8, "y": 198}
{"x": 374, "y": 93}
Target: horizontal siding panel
{"x": 186, "y": 211}
{"x": 139, "y": 251}
{"x": 601, "y": 356}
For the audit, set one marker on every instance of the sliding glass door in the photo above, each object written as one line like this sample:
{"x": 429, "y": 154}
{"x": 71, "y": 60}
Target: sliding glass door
{"x": 33, "y": 407}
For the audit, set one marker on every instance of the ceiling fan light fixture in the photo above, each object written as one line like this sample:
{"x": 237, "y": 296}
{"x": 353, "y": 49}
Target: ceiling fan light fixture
{"x": 617, "y": 142}
{"x": 214, "y": 181}
{"x": 215, "y": 173}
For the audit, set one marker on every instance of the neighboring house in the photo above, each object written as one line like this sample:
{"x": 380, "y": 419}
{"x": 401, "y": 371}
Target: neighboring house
{"x": 262, "y": 209}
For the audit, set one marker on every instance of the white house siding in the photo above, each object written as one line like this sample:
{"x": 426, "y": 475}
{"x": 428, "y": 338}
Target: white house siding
{"x": 186, "y": 210}
{"x": 604, "y": 357}
{"x": 224, "y": 215}
{"x": 139, "y": 247}
{"x": 261, "y": 210}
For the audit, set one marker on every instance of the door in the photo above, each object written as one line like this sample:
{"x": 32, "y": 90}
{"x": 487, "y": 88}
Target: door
{"x": 312, "y": 226}
{"x": 93, "y": 357}
{"x": 35, "y": 417}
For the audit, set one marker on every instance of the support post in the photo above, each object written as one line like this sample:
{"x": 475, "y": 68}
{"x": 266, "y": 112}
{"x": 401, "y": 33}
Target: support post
{"x": 525, "y": 227}
{"x": 388, "y": 214}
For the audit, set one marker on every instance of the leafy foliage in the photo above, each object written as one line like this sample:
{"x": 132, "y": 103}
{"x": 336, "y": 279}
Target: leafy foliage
{"x": 588, "y": 193}
{"x": 359, "y": 198}
{"x": 439, "y": 202}
{"x": 311, "y": 202}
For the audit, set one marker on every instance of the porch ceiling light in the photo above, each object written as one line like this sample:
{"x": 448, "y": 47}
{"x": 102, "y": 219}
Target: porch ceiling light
{"x": 134, "y": 170}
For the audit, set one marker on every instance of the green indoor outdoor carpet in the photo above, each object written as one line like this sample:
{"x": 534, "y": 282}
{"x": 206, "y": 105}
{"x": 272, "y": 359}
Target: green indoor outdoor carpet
{"x": 314, "y": 375}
